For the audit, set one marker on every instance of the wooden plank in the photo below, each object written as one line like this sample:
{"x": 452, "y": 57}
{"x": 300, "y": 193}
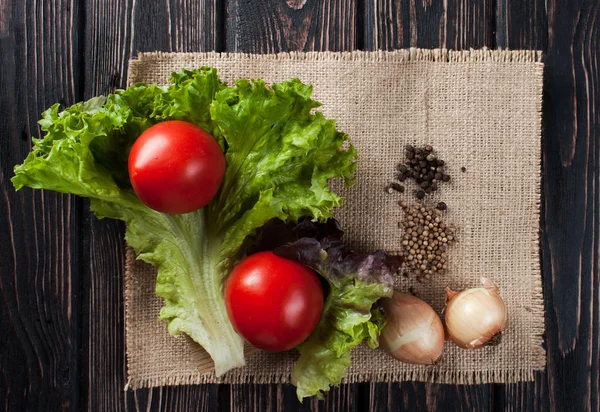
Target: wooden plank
{"x": 414, "y": 396}
{"x": 571, "y": 198}
{"x": 454, "y": 24}
{"x": 115, "y": 31}
{"x": 271, "y": 26}
{"x": 39, "y": 283}
{"x": 521, "y": 24}
{"x": 254, "y": 397}
{"x": 175, "y": 398}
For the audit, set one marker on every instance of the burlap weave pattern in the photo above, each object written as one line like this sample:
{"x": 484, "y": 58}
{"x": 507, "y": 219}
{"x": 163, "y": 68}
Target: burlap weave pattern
{"x": 481, "y": 110}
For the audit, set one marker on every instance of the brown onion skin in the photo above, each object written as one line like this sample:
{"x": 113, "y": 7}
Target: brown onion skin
{"x": 405, "y": 314}
{"x": 476, "y": 317}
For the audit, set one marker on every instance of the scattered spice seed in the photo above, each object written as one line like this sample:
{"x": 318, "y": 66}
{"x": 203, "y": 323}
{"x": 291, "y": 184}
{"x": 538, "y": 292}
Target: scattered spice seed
{"x": 394, "y": 187}
{"x": 441, "y": 206}
{"x": 397, "y": 187}
{"x": 463, "y": 169}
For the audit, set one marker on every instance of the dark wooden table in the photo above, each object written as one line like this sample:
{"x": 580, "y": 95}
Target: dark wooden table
{"x": 61, "y": 290}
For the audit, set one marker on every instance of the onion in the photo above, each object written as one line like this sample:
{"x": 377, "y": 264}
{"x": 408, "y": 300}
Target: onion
{"x": 475, "y": 317}
{"x": 414, "y": 332}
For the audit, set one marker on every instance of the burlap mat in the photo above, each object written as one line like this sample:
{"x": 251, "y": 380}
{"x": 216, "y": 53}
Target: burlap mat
{"x": 481, "y": 110}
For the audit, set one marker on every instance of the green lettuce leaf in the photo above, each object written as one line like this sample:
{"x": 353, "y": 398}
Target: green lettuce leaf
{"x": 279, "y": 156}
{"x": 356, "y": 281}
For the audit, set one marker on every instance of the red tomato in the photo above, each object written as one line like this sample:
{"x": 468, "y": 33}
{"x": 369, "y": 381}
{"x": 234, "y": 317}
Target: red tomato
{"x": 274, "y": 303}
{"x": 176, "y": 167}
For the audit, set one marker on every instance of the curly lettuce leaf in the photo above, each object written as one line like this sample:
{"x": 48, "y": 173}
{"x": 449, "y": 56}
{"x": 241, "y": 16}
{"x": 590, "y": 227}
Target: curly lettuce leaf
{"x": 279, "y": 158}
{"x": 349, "y": 316}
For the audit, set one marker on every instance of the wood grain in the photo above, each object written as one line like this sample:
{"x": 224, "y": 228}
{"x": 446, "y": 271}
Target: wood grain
{"x": 411, "y": 396}
{"x": 115, "y": 31}
{"x": 454, "y": 24}
{"x": 271, "y": 26}
{"x": 570, "y": 215}
{"x": 39, "y": 261}
{"x": 521, "y": 24}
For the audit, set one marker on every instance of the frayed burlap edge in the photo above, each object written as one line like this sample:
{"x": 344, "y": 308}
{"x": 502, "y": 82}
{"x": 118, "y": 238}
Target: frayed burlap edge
{"x": 400, "y": 56}
{"x": 431, "y": 375}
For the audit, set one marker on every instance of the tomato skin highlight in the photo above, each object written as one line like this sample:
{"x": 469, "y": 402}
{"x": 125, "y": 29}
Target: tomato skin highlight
{"x": 176, "y": 167}
{"x": 274, "y": 303}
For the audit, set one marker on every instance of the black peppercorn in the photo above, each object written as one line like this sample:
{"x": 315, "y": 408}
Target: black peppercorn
{"x": 463, "y": 169}
{"x": 446, "y": 178}
{"x": 442, "y": 206}
{"x": 420, "y": 194}
{"x": 394, "y": 187}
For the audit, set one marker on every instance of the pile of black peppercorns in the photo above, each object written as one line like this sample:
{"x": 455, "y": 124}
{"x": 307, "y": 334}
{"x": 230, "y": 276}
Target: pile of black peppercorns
{"x": 424, "y": 167}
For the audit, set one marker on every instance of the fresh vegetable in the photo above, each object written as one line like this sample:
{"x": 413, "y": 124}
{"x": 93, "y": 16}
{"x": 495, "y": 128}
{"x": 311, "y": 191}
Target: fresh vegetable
{"x": 356, "y": 281}
{"x": 413, "y": 332}
{"x": 274, "y": 303}
{"x": 475, "y": 317}
{"x": 176, "y": 167}
{"x": 280, "y": 157}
